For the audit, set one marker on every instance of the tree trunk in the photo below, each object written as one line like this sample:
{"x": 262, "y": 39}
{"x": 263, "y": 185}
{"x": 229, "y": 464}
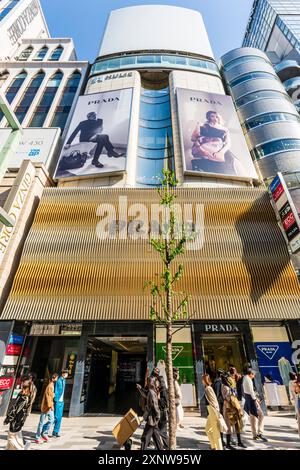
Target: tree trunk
{"x": 171, "y": 391}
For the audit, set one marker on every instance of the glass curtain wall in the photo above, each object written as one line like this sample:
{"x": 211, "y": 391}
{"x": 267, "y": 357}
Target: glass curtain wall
{"x": 29, "y": 95}
{"x": 56, "y": 54}
{"x": 24, "y": 56}
{"x": 13, "y": 89}
{"x": 41, "y": 54}
{"x": 155, "y": 145}
{"x": 63, "y": 109}
{"x": 42, "y": 109}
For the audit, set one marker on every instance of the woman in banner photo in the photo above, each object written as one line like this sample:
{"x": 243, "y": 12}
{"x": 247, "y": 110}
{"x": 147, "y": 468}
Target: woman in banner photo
{"x": 211, "y": 148}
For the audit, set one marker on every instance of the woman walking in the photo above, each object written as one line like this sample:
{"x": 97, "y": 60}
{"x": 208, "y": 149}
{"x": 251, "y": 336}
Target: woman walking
{"x": 232, "y": 412}
{"x": 215, "y": 425}
{"x": 16, "y": 417}
{"x": 178, "y": 399}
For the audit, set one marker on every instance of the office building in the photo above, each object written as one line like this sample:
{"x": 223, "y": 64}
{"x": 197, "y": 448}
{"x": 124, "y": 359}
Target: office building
{"x": 269, "y": 119}
{"x": 274, "y": 27}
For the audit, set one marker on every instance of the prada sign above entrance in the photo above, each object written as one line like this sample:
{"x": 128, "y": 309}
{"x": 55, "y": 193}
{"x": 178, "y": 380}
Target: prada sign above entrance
{"x": 221, "y": 328}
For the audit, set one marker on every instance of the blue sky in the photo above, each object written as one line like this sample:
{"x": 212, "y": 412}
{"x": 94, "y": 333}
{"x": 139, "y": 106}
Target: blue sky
{"x": 84, "y": 20}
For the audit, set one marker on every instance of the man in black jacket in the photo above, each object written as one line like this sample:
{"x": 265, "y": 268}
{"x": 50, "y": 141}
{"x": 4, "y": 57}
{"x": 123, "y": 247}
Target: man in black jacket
{"x": 151, "y": 418}
{"x": 91, "y": 131}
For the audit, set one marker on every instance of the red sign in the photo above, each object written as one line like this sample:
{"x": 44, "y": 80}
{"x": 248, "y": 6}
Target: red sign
{"x": 289, "y": 221}
{"x": 13, "y": 350}
{"x": 6, "y": 383}
{"x": 278, "y": 192}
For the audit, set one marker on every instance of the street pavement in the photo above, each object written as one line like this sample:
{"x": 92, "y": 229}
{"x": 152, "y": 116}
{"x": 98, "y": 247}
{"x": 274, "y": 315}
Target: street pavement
{"x": 95, "y": 433}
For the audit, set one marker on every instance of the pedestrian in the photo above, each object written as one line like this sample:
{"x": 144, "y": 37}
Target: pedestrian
{"x": 292, "y": 392}
{"x": 215, "y": 424}
{"x": 163, "y": 399}
{"x": 47, "y": 412}
{"x": 217, "y": 386}
{"x": 33, "y": 390}
{"x": 178, "y": 399}
{"x": 253, "y": 408}
{"x": 151, "y": 418}
{"x": 232, "y": 412}
{"x": 297, "y": 401}
{"x": 16, "y": 417}
{"x": 59, "y": 403}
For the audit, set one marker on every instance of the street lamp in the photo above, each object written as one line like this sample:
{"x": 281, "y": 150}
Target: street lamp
{"x": 10, "y": 147}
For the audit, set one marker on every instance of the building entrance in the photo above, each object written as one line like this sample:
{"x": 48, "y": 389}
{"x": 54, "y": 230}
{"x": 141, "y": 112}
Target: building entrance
{"x": 117, "y": 364}
{"x": 221, "y": 352}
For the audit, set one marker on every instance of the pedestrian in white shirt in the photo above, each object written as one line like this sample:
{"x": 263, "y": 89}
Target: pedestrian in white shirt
{"x": 253, "y": 408}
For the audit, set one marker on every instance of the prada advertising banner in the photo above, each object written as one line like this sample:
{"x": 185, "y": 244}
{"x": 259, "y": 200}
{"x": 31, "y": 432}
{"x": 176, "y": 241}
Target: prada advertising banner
{"x": 98, "y": 135}
{"x": 212, "y": 140}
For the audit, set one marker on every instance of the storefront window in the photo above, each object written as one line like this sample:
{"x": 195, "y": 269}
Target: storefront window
{"x": 274, "y": 354}
{"x": 182, "y": 352}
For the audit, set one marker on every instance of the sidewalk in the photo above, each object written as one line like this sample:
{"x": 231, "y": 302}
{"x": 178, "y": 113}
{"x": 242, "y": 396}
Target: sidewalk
{"x": 94, "y": 433}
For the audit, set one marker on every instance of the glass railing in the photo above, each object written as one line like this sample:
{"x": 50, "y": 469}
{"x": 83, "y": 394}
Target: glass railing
{"x": 286, "y": 64}
{"x": 292, "y": 84}
{"x": 155, "y": 61}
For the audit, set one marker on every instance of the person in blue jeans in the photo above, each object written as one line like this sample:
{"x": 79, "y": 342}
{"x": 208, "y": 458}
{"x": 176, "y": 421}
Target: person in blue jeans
{"x": 47, "y": 415}
{"x": 59, "y": 404}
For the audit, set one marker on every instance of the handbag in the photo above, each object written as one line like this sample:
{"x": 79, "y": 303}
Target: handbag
{"x": 75, "y": 160}
{"x": 223, "y": 428}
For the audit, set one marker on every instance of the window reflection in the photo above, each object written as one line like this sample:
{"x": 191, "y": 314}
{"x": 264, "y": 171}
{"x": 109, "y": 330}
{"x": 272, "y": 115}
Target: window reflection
{"x": 152, "y": 61}
{"x": 269, "y": 117}
{"x": 155, "y": 146}
{"x": 29, "y": 96}
{"x": 260, "y": 95}
{"x": 251, "y": 76}
{"x": 46, "y": 101}
{"x": 276, "y": 146}
{"x": 64, "y": 107}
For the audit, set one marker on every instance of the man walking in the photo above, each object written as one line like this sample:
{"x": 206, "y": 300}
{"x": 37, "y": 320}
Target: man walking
{"x": 59, "y": 402}
{"x": 91, "y": 131}
{"x": 151, "y": 417}
{"x": 252, "y": 407}
{"x": 47, "y": 409}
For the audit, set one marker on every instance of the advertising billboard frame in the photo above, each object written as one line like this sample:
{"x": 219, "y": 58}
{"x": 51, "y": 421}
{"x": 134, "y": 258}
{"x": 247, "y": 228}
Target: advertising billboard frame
{"x": 66, "y": 136}
{"x": 282, "y": 200}
{"x": 214, "y": 175}
{"x": 50, "y": 151}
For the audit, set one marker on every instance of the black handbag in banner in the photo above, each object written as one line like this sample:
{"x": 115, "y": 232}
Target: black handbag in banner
{"x": 75, "y": 160}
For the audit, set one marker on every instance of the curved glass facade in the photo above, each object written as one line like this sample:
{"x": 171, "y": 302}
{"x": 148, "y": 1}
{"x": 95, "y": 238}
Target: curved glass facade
{"x": 252, "y": 76}
{"x": 292, "y": 84}
{"x": 42, "y": 109}
{"x": 155, "y": 145}
{"x": 268, "y": 118}
{"x": 41, "y": 54}
{"x": 152, "y": 61}
{"x": 275, "y": 146}
{"x": 63, "y": 109}
{"x": 28, "y": 97}
{"x": 56, "y": 54}
{"x": 242, "y": 60}
{"x": 259, "y": 95}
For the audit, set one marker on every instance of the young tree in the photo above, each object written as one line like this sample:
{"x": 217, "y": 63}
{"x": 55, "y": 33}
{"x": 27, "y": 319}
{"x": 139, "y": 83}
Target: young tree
{"x": 169, "y": 305}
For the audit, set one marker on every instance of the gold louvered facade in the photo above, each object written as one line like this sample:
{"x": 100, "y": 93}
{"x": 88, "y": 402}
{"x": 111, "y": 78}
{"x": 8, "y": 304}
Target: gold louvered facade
{"x": 66, "y": 273}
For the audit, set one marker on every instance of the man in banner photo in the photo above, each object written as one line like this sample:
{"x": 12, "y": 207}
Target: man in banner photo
{"x": 91, "y": 131}
{"x": 97, "y": 140}
{"x": 211, "y": 135}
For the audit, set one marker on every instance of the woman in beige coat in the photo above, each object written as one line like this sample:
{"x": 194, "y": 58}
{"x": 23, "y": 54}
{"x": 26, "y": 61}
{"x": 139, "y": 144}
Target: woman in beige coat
{"x": 215, "y": 422}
